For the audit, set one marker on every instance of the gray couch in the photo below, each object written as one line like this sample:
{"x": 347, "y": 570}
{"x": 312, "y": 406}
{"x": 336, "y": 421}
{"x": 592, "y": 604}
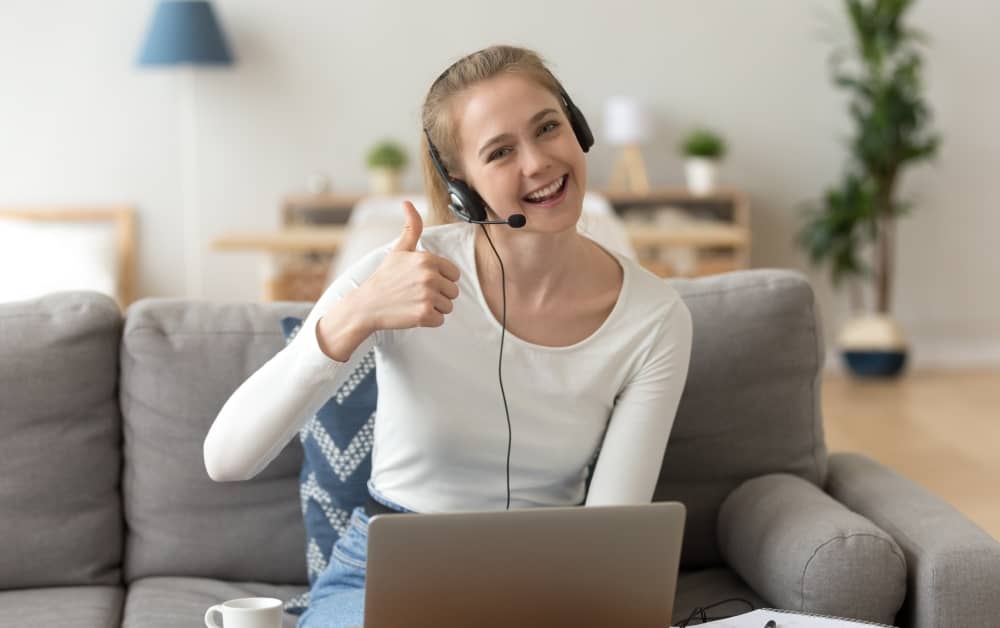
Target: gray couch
{"x": 108, "y": 518}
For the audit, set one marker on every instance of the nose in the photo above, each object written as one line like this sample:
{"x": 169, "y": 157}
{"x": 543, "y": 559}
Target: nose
{"x": 534, "y": 160}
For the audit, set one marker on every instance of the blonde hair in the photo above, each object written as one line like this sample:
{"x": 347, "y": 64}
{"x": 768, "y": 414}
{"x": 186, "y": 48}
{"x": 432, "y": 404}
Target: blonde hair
{"x": 436, "y": 113}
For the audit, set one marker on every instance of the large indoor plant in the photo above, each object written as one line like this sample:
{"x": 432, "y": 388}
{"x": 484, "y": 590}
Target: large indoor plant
{"x": 853, "y": 227}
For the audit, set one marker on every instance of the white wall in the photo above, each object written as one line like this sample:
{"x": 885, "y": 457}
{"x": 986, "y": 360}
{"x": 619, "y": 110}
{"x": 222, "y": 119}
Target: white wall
{"x": 318, "y": 82}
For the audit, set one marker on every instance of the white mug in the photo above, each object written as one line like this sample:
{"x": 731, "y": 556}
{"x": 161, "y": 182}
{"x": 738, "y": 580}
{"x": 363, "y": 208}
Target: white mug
{"x": 247, "y": 612}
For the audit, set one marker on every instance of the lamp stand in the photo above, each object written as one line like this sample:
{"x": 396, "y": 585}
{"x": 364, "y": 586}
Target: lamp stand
{"x": 190, "y": 182}
{"x": 629, "y": 173}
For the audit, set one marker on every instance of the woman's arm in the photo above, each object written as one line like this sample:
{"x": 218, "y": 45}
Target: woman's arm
{"x": 629, "y": 463}
{"x": 270, "y": 407}
{"x": 402, "y": 288}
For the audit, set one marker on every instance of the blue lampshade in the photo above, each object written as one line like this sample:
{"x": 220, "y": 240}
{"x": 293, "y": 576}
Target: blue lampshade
{"x": 185, "y": 31}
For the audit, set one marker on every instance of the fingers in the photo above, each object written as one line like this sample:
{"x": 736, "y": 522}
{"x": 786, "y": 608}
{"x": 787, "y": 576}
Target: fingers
{"x": 411, "y": 231}
{"x": 446, "y": 287}
{"x": 443, "y": 304}
{"x": 436, "y": 292}
{"x": 440, "y": 265}
{"x": 446, "y": 268}
{"x": 436, "y": 289}
{"x": 431, "y": 317}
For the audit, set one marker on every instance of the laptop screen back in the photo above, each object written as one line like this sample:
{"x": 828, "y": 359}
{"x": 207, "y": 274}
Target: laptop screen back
{"x": 532, "y": 568}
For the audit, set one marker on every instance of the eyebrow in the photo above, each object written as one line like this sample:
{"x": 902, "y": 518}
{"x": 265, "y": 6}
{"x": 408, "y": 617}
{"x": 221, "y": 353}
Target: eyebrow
{"x": 499, "y": 138}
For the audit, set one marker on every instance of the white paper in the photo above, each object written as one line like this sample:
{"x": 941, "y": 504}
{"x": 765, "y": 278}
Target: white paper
{"x": 758, "y": 618}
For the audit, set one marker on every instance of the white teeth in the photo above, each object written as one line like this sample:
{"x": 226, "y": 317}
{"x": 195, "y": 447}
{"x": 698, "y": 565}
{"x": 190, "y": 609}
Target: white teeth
{"x": 549, "y": 189}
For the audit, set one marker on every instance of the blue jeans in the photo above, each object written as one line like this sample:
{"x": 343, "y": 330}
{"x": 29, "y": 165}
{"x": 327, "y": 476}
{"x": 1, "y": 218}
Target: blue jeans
{"x": 337, "y": 598}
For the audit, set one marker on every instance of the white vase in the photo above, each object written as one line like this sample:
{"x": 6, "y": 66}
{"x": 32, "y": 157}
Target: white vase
{"x": 702, "y": 175}
{"x": 384, "y": 181}
{"x": 318, "y": 183}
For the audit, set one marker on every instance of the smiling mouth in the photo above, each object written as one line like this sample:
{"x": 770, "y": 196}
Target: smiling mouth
{"x": 548, "y": 193}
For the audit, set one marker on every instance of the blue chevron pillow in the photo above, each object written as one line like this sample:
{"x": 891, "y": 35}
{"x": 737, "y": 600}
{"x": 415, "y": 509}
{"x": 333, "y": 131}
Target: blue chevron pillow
{"x": 337, "y": 443}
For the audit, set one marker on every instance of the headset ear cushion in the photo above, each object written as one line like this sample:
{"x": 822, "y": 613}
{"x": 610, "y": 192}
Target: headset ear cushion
{"x": 465, "y": 201}
{"x": 580, "y": 127}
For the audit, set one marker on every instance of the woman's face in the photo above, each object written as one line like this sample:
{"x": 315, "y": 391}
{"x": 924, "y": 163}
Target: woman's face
{"x": 519, "y": 152}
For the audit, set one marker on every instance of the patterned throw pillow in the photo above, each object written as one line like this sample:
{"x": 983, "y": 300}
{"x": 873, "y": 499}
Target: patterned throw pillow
{"x": 337, "y": 443}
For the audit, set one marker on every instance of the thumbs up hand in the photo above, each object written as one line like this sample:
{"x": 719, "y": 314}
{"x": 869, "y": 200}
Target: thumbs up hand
{"x": 410, "y": 288}
{"x": 411, "y": 232}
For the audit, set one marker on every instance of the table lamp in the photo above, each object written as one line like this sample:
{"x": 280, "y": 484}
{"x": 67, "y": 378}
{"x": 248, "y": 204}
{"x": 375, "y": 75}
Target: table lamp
{"x": 627, "y": 126}
{"x": 186, "y": 33}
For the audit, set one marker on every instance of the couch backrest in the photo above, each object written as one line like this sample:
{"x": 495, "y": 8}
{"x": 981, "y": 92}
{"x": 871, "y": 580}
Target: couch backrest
{"x": 60, "y": 442}
{"x": 750, "y": 407}
{"x": 751, "y": 403}
{"x": 181, "y": 360}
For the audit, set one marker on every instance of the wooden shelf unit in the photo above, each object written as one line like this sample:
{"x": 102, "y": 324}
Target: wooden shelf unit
{"x": 720, "y": 247}
{"x": 318, "y": 209}
{"x": 314, "y": 230}
{"x": 720, "y": 240}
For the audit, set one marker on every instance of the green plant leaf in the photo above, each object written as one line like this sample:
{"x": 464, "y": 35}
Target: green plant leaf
{"x": 703, "y": 143}
{"x": 881, "y": 73}
{"x": 386, "y": 154}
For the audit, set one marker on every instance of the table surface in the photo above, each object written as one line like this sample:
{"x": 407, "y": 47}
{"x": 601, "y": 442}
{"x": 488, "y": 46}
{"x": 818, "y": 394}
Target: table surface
{"x": 331, "y": 237}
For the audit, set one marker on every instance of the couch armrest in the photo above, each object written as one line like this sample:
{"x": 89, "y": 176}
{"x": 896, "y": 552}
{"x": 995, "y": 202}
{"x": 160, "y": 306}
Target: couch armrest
{"x": 953, "y": 565}
{"x": 801, "y": 550}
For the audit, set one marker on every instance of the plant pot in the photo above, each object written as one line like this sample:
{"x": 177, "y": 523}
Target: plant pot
{"x": 702, "y": 175}
{"x": 384, "y": 181}
{"x": 873, "y": 346}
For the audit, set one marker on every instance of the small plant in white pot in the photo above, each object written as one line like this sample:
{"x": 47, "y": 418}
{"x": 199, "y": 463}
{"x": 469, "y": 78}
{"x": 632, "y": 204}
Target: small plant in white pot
{"x": 386, "y": 162}
{"x": 702, "y": 150}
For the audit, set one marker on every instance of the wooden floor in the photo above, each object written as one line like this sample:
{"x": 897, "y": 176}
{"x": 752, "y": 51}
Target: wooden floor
{"x": 941, "y": 429}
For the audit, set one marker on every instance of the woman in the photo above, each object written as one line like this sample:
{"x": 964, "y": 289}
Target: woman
{"x": 596, "y": 351}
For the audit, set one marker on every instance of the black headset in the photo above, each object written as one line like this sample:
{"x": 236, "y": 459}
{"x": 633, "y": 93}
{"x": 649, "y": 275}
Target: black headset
{"x": 466, "y": 204}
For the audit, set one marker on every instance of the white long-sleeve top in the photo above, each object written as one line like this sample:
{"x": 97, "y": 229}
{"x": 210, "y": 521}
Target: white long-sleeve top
{"x": 440, "y": 442}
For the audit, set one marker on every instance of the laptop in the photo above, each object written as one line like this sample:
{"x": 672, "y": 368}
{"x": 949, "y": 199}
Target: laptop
{"x": 579, "y": 567}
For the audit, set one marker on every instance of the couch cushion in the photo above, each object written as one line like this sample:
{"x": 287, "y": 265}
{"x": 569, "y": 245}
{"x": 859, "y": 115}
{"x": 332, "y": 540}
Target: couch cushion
{"x": 60, "y": 438}
{"x": 806, "y": 551}
{"x": 750, "y": 405}
{"x": 182, "y": 602}
{"x": 180, "y": 362}
{"x": 78, "y": 607}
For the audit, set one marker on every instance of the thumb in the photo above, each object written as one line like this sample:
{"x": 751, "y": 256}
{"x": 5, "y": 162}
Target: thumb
{"x": 412, "y": 230}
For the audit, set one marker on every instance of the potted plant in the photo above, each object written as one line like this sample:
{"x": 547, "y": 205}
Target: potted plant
{"x": 853, "y": 226}
{"x": 386, "y": 161}
{"x": 702, "y": 150}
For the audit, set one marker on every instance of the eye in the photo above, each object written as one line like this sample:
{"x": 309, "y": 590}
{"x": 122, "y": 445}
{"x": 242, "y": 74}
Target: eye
{"x": 552, "y": 123}
{"x": 498, "y": 153}
{"x": 502, "y": 152}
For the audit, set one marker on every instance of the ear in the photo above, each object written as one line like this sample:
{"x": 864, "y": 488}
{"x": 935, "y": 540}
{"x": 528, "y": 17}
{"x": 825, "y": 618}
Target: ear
{"x": 458, "y": 174}
{"x": 461, "y": 178}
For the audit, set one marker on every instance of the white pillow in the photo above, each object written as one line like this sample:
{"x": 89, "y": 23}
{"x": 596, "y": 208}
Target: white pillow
{"x": 40, "y": 256}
